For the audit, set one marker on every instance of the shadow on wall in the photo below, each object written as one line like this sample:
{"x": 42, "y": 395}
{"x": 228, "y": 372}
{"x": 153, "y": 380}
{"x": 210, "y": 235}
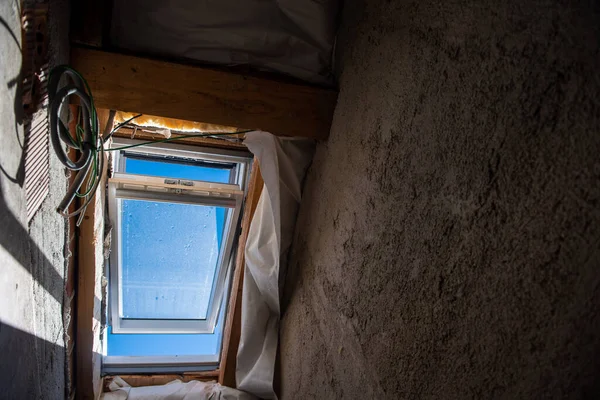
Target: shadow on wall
{"x": 16, "y": 83}
{"x": 25, "y": 355}
{"x": 14, "y": 237}
{"x": 21, "y": 362}
{"x": 16, "y": 240}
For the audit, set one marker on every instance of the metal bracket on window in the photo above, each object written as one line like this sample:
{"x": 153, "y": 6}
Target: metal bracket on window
{"x": 181, "y": 182}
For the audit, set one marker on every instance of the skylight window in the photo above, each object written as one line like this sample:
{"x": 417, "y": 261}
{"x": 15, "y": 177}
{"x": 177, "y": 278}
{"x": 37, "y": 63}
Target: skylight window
{"x": 175, "y": 211}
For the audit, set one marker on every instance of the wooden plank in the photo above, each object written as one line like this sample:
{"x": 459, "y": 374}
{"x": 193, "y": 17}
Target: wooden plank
{"x": 141, "y": 85}
{"x": 90, "y": 262}
{"x": 137, "y": 380}
{"x": 231, "y": 333}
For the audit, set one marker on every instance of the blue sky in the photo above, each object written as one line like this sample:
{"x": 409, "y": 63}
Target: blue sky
{"x": 168, "y": 262}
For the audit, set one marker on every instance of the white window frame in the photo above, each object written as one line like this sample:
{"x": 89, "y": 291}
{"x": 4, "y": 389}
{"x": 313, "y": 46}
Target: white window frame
{"x": 141, "y": 187}
{"x": 163, "y": 364}
{"x": 158, "y": 364}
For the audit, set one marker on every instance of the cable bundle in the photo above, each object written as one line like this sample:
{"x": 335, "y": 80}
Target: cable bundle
{"x": 87, "y": 141}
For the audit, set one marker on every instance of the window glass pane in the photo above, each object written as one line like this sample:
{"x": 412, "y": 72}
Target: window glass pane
{"x": 168, "y": 344}
{"x": 169, "y": 258}
{"x": 180, "y": 170}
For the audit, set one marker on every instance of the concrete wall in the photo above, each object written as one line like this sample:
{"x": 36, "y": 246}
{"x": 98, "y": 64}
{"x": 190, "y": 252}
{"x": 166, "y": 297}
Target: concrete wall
{"x": 32, "y": 354}
{"x": 448, "y": 245}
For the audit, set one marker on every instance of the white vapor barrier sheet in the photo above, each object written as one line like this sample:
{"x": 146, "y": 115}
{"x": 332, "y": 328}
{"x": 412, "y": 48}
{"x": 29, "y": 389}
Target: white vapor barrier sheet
{"x": 283, "y": 164}
{"x": 294, "y": 37}
{"x": 176, "y": 390}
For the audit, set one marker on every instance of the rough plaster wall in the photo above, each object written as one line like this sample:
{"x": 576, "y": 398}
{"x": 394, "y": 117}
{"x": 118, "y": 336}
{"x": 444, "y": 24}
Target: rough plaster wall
{"x": 32, "y": 361}
{"x": 448, "y": 243}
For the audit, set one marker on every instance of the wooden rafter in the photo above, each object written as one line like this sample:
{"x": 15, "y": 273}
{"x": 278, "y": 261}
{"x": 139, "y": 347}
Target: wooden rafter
{"x": 166, "y": 89}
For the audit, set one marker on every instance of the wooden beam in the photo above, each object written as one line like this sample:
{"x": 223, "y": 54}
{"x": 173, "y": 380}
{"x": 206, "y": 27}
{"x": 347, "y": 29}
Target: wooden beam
{"x": 231, "y": 333}
{"x": 141, "y": 85}
{"x": 89, "y": 269}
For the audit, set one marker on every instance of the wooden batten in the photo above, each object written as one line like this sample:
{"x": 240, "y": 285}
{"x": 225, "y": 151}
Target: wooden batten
{"x": 89, "y": 291}
{"x": 140, "y": 134}
{"x": 232, "y": 330}
{"x": 137, "y": 380}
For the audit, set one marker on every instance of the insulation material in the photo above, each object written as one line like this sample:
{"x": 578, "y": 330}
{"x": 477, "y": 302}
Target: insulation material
{"x": 176, "y": 390}
{"x": 294, "y": 37}
{"x": 178, "y": 125}
{"x": 283, "y": 163}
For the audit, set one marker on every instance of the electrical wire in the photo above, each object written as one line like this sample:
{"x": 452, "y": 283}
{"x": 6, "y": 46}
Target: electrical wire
{"x": 206, "y": 134}
{"x": 116, "y": 128}
{"x": 88, "y": 142}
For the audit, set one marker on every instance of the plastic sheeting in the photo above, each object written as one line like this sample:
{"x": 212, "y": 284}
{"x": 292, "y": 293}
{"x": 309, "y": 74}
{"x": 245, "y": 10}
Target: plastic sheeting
{"x": 283, "y": 164}
{"x": 176, "y": 390}
{"x": 294, "y": 37}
